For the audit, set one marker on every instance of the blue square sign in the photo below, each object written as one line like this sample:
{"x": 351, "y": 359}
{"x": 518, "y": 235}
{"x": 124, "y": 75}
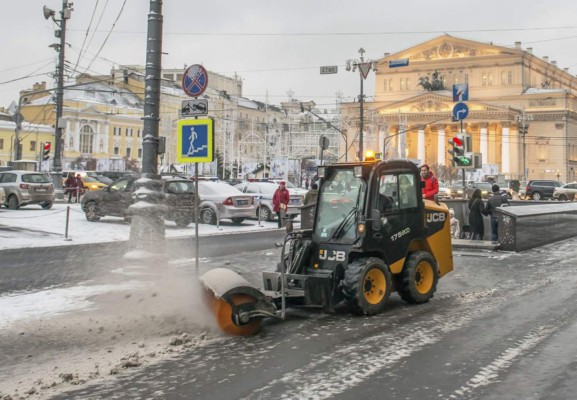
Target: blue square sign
{"x": 195, "y": 140}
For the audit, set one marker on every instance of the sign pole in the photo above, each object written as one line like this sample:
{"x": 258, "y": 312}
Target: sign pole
{"x": 197, "y": 215}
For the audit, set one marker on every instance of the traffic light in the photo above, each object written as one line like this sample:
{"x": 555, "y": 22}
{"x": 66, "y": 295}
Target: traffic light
{"x": 46, "y": 151}
{"x": 461, "y": 146}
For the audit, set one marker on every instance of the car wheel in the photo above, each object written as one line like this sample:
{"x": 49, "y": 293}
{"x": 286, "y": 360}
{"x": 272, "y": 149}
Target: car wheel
{"x": 47, "y": 205}
{"x": 536, "y": 196}
{"x": 265, "y": 213}
{"x": 90, "y": 212}
{"x": 13, "y": 203}
{"x": 207, "y": 216}
{"x": 237, "y": 221}
{"x": 563, "y": 198}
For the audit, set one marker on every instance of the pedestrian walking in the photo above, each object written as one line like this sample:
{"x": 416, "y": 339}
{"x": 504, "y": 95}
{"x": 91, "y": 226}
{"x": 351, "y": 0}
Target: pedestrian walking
{"x": 476, "y": 211}
{"x": 280, "y": 201}
{"x": 312, "y": 194}
{"x": 431, "y": 187}
{"x": 496, "y": 201}
{"x": 74, "y": 187}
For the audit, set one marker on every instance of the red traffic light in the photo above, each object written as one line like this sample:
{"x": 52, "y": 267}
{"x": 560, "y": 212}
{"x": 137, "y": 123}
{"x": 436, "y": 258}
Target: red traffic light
{"x": 47, "y": 146}
{"x": 457, "y": 141}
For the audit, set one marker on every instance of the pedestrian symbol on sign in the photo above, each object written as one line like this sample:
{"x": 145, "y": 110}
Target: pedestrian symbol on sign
{"x": 195, "y": 142}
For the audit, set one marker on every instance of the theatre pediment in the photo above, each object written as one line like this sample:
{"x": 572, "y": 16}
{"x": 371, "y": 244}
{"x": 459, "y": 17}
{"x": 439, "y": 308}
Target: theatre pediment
{"x": 434, "y": 103}
{"x": 447, "y": 46}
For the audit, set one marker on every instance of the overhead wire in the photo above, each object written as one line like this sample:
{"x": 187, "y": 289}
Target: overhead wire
{"x": 87, "y": 32}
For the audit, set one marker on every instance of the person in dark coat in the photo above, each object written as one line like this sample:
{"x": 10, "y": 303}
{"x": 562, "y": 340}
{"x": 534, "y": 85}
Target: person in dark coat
{"x": 497, "y": 200}
{"x": 280, "y": 201}
{"x": 312, "y": 194}
{"x": 74, "y": 186}
{"x": 476, "y": 211}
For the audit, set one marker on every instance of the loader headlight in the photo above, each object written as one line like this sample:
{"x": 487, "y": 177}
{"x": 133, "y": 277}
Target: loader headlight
{"x": 361, "y": 228}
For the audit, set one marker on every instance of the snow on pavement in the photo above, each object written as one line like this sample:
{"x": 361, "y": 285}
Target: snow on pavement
{"x": 31, "y": 226}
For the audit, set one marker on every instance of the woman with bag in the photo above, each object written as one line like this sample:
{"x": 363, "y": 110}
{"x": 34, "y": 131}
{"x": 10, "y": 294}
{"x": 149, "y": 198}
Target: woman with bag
{"x": 476, "y": 211}
{"x": 280, "y": 201}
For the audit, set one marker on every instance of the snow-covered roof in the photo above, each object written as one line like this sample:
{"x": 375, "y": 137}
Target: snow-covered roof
{"x": 11, "y": 125}
{"x": 98, "y": 93}
{"x": 538, "y": 91}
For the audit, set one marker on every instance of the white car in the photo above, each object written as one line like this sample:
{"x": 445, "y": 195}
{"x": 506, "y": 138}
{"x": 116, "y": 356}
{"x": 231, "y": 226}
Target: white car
{"x": 222, "y": 201}
{"x": 263, "y": 193}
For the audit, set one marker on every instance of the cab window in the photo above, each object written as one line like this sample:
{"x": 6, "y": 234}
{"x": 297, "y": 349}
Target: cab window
{"x": 397, "y": 192}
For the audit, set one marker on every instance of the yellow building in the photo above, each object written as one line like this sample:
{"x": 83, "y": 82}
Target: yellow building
{"x": 31, "y": 136}
{"x": 508, "y": 88}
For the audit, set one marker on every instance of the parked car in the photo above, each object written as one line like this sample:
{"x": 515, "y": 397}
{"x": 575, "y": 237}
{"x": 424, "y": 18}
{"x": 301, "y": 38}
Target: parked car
{"x": 90, "y": 183}
{"x": 114, "y": 200}
{"x": 264, "y": 192}
{"x": 540, "y": 189}
{"x": 2, "y": 196}
{"x": 220, "y": 200}
{"x": 444, "y": 191}
{"x": 22, "y": 188}
{"x": 565, "y": 192}
{"x": 486, "y": 189}
{"x": 456, "y": 190}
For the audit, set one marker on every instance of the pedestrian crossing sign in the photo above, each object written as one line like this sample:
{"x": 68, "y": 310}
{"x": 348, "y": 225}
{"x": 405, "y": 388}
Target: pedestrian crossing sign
{"x": 195, "y": 140}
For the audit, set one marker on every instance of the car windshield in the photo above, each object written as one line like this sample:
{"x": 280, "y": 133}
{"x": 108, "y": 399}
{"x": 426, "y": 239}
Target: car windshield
{"x": 209, "y": 188}
{"x": 90, "y": 179}
{"x": 35, "y": 178}
{"x": 341, "y": 196}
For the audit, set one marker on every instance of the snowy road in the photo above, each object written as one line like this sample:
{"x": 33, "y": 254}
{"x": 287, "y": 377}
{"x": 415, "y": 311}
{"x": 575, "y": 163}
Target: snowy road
{"x": 500, "y": 327}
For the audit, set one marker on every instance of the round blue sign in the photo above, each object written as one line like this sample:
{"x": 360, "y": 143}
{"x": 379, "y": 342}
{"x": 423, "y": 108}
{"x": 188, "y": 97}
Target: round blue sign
{"x": 195, "y": 80}
{"x": 460, "y": 111}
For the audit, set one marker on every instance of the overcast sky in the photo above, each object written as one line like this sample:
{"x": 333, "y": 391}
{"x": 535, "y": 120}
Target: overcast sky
{"x": 274, "y": 45}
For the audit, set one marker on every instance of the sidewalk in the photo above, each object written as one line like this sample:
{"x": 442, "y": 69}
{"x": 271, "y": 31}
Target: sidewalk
{"x": 33, "y": 227}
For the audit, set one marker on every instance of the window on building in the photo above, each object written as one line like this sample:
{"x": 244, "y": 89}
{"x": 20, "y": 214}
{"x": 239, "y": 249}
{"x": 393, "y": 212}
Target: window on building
{"x": 86, "y": 139}
{"x": 1, "y": 144}
{"x": 402, "y": 84}
{"x": 390, "y": 85}
{"x": 32, "y": 145}
{"x": 116, "y": 151}
{"x": 506, "y": 77}
{"x": 179, "y": 77}
{"x": 128, "y": 152}
{"x": 466, "y": 78}
{"x": 138, "y": 133}
{"x": 455, "y": 79}
{"x": 385, "y": 85}
{"x": 140, "y": 153}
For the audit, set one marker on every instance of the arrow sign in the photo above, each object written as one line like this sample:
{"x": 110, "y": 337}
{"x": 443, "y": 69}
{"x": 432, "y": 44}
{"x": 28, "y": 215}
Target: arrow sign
{"x": 401, "y": 62}
{"x": 460, "y": 111}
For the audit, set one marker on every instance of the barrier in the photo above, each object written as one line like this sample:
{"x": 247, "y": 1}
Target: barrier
{"x": 530, "y": 226}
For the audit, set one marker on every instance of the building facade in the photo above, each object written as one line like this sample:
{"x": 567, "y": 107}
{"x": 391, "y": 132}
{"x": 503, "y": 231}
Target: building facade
{"x": 509, "y": 89}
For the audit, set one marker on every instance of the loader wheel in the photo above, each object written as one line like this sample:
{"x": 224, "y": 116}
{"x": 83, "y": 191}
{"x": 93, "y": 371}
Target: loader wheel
{"x": 367, "y": 286}
{"x": 418, "y": 281}
{"x": 223, "y": 314}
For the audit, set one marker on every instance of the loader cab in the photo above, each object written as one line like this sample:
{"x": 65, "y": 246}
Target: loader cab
{"x": 340, "y": 203}
{"x": 396, "y": 210}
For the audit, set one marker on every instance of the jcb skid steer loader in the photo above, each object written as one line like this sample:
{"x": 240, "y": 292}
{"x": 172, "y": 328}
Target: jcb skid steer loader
{"x": 372, "y": 234}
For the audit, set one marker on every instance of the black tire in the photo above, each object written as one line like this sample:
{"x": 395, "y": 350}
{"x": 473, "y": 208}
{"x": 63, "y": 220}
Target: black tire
{"x": 208, "y": 216}
{"x": 536, "y": 196}
{"x": 47, "y": 205}
{"x": 183, "y": 222}
{"x": 265, "y": 213}
{"x": 12, "y": 202}
{"x": 237, "y": 221}
{"x": 417, "y": 282}
{"x": 90, "y": 212}
{"x": 563, "y": 197}
{"x": 367, "y": 286}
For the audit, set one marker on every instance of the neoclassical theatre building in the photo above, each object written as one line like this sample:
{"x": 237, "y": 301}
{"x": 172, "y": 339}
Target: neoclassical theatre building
{"x": 510, "y": 88}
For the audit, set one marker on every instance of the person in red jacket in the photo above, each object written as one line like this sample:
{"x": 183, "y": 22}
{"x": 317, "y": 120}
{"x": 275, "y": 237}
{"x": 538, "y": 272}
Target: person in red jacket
{"x": 280, "y": 201}
{"x": 431, "y": 187}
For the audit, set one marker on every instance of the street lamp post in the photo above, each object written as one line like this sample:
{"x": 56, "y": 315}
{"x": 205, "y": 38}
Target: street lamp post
{"x": 523, "y": 118}
{"x": 343, "y": 134}
{"x": 364, "y": 67}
